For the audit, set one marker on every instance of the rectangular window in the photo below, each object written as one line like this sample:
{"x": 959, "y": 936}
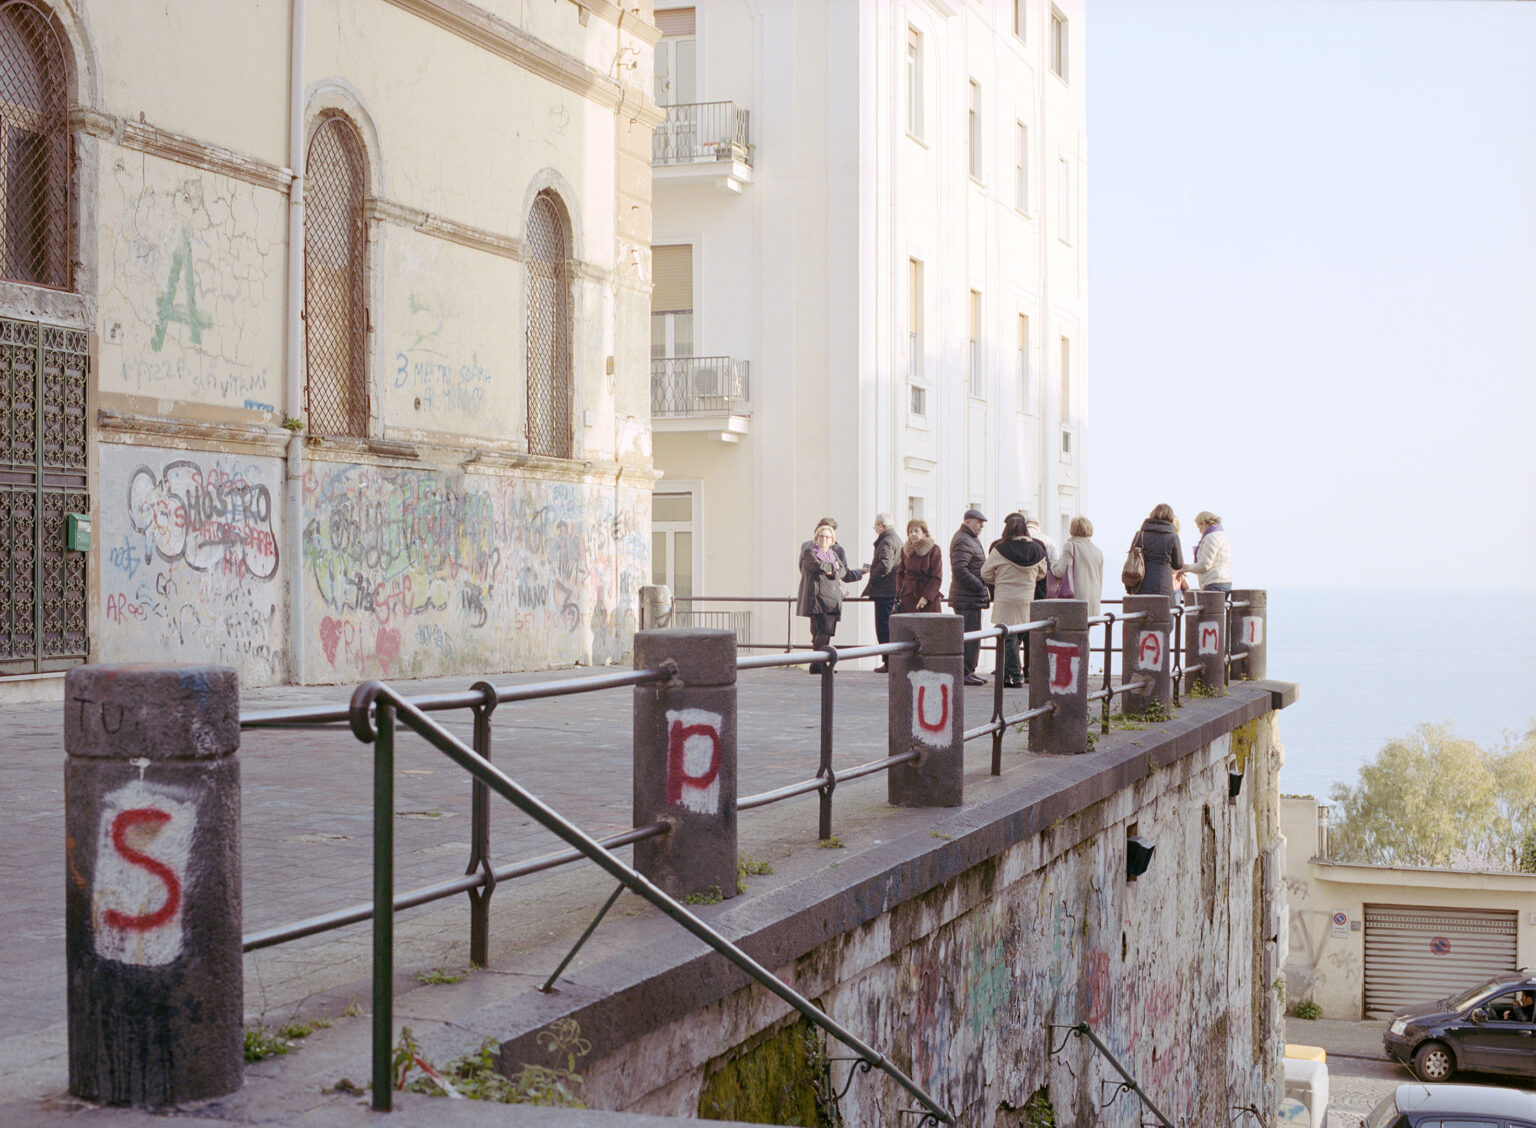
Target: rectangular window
{"x": 671, "y": 301}
{"x": 1066, "y": 380}
{"x": 915, "y": 346}
{"x": 1058, "y": 45}
{"x": 914, "y": 82}
{"x": 1021, "y": 167}
{"x": 1026, "y": 401}
{"x": 975, "y": 130}
{"x": 676, "y": 66}
{"x": 1020, "y": 18}
{"x": 978, "y": 374}
{"x": 914, "y": 508}
{"x": 1064, "y": 199}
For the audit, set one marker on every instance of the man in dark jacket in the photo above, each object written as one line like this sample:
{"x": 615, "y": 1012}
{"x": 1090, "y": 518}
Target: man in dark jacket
{"x": 881, "y": 571}
{"x": 967, "y": 593}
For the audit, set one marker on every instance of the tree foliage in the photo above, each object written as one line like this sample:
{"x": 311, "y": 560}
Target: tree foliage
{"x": 1435, "y": 799}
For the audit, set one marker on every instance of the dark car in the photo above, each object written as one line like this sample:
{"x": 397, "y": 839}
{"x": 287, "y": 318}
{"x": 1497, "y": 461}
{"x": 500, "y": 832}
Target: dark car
{"x": 1464, "y": 1106}
{"x": 1490, "y": 1028}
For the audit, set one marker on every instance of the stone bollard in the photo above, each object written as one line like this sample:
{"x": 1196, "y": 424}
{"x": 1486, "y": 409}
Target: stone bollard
{"x": 152, "y": 905}
{"x": 1246, "y": 626}
{"x": 1058, "y": 673}
{"x": 1205, "y": 650}
{"x": 926, "y": 703}
{"x": 685, "y": 761}
{"x": 1146, "y": 652}
{"x": 655, "y": 607}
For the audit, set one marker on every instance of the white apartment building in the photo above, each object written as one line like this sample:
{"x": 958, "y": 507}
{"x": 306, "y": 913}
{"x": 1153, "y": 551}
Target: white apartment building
{"x": 869, "y": 257}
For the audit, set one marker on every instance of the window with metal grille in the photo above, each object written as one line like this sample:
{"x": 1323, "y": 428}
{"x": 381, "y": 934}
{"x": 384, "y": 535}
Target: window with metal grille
{"x": 548, "y": 330}
{"x": 34, "y": 149}
{"x": 335, "y": 282}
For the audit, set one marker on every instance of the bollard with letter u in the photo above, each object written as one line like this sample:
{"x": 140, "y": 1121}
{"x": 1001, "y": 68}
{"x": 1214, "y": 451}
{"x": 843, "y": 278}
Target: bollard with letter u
{"x": 926, "y": 710}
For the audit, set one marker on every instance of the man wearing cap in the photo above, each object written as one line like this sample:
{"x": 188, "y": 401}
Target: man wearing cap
{"x": 967, "y": 593}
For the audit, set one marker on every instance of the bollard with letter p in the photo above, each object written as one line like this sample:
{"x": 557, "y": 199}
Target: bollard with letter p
{"x": 1058, "y": 674}
{"x": 685, "y": 761}
{"x": 152, "y": 909}
{"x": 1145, "y": 653}
{"x": 926, "y": 710}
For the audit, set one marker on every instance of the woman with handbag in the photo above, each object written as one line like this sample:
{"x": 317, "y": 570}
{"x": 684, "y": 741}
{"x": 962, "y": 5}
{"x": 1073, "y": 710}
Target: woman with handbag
{"x": 1157, "y": 543}
{"x": 823, "y": 571}
{"x": 1079, "y": 567}
{"x": 1014, "y": 565}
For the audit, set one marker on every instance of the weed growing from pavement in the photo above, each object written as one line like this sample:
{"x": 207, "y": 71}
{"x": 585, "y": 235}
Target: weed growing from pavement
{"x": 440, "y": 976}
{"x": 261, "y": 1043}
{"x": 710, "y": 896}
{"x": 748, "y": 866}
{"x": 475, "y": 1076}
{"x": 833, "y": 843}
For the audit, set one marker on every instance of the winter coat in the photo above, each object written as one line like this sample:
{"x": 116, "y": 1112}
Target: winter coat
{"x": 1013, "y": 568}
{"x": 1213, "y": 560}
{"x": 821, "y": 583}
{"x": 920, "y": 575}
{"x": 1086, "y": 563}
{"x": 966, "y": 556}
{"x": 1160, "y": 546}
{"x": 882, "y": 568}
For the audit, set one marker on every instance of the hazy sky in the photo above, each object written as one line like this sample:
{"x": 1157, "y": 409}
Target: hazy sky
{"x": 1312, "y": 280}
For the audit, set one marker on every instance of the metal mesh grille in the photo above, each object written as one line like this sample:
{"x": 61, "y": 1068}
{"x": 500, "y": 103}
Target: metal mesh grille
{"x": 42, "y": 480}
{"x": 34, "y": 149}
{"x": 549, "y": 348}
{"x": 335, "y": 311}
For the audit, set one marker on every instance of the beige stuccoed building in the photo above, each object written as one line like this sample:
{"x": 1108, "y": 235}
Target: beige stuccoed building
{"x": 327, "y": 322}
{"x": 870, "y": 250}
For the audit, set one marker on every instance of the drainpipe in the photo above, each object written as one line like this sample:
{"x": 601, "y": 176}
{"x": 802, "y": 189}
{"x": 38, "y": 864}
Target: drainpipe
{"x": 294, "y": 329}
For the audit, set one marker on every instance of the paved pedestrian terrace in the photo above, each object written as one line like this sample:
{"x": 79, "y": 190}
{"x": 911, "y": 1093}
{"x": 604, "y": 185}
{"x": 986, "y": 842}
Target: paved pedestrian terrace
{"x": 306, "y": 839}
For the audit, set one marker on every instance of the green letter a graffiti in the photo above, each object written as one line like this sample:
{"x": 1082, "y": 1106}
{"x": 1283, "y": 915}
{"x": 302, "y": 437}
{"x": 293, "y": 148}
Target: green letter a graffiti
{"x": 189, "y": 315}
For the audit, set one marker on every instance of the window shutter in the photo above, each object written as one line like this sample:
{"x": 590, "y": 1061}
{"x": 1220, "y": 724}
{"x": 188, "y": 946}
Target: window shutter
{"x": 675, "y": 21}
{"x": 672, "y": 274}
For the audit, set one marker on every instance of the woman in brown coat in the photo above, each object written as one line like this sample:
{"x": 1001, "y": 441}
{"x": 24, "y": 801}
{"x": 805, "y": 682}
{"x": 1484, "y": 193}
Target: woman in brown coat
{"x": 919, "y": 571}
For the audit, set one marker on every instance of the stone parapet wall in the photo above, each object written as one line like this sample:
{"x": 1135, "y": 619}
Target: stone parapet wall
{"x": 955, "y": 945}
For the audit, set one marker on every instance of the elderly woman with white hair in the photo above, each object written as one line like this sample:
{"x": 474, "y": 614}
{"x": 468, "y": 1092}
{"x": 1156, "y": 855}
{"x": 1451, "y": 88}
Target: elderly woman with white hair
{"x": 823, "y": 571}
{"x": 1213, "y": 554}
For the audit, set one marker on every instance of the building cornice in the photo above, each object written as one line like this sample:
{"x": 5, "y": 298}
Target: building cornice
{"x": 156, "y": 142}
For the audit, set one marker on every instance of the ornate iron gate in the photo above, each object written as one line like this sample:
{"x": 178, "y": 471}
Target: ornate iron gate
{"x": 42, "y": 480}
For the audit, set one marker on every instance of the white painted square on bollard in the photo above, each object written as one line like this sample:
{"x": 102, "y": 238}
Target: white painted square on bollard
{"x": 1066, "y": 665}
{"x": 142, "y": 848}
{"x": 933, "y": 713}
{"x": 1253, "y": 630}
{"x": 1149, "y": 650}
{"x": 1210, "y": 638}
{"x": 693, "y": 759}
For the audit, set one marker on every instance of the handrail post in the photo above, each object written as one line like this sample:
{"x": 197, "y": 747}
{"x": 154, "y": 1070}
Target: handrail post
{"x": 926, "y": 711}
{"x": 480, "y": 835}
{"x": 1058, "y": 674}
{"x": 1207, "y": 644}
{"x": 1250, "y": 633}
{"x": 1000, "y": 666}
{"x": 685, "y": 760}
{"x": 1109, "y": 672}
{"x": 1146, "y": 654}
{"x": 824, "y": 768}
{"x": 383, "y": 904}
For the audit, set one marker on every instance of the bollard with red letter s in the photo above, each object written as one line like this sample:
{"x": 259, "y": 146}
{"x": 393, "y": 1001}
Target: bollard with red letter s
{"x": 152, "y": 909}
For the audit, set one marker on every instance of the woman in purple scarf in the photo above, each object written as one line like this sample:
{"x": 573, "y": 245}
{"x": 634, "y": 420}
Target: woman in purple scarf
{"x": 823, "y": 571}
{"x": 1213, "y": 554}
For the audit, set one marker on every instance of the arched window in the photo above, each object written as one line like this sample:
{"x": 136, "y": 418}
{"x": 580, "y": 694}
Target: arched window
{"x": 34, "y": 148}
{"x": 335, "y": 280}
{"x": 549, "y": 330}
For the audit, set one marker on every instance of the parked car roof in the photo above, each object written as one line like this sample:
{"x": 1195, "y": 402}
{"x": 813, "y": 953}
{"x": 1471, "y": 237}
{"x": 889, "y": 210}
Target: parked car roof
{"x": 1492, "y": 1099}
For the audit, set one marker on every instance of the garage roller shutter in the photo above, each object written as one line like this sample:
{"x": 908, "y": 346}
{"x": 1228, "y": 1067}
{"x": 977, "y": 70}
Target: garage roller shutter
{"x": 1417, "y": 955}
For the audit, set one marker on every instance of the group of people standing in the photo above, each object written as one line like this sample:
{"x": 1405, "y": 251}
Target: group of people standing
{"x": 1008, "y": 575}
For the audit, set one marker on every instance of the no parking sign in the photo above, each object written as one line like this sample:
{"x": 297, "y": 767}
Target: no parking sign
{"x": 1339, "y": 924}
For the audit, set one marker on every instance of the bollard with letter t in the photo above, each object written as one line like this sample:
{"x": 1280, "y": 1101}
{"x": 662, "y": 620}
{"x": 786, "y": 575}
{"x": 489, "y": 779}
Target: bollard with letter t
{"x": 926, "y": 708}
{"x": 152, "y": 908}
{"x": 685, "y": 761}
{"x": 1058, "y": 673}
{"x": 1247, "y": 631}
{"x": 1145, "y": 652}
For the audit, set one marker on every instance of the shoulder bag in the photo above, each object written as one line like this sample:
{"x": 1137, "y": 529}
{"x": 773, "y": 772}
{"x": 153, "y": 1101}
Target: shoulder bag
{"x": 1134, "y": 570}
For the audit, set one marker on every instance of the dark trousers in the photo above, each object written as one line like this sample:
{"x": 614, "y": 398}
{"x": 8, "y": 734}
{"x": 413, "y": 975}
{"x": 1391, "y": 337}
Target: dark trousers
{"x": 883, "y": 606}
{"x": 972, "y": 619}
{"x": 1013, "y": 670}
{"x": 823, "y": 627}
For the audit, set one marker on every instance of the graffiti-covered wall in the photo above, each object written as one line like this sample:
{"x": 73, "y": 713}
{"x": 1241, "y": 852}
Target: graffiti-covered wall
{"x": 410, "y": 573}
{"x": 190, "y": 559}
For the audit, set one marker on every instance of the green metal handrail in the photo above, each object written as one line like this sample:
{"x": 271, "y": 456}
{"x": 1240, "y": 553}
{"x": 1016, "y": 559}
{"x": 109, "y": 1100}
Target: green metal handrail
{"x": 373, "y": 713}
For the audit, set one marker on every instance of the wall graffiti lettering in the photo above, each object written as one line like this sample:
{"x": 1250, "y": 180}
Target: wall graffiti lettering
{"x": 168, "y": 309}
{"x": 441, "y": 384}
{"x": 144, "y": 842}
{"x": 209, "y": 517}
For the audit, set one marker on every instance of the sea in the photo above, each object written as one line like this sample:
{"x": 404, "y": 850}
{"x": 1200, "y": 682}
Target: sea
{"x": 1375, "y": 664}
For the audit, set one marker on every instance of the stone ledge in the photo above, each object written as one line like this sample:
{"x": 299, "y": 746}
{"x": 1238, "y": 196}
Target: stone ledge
{"x": 664, "y": 974}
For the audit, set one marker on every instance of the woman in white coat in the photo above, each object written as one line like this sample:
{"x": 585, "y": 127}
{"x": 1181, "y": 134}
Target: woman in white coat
{"x": 1014, "y": 565}
{"x": 1081, "y": 561}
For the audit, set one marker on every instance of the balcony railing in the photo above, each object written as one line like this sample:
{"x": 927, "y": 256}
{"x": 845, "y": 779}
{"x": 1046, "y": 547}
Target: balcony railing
{"x": 699, "y": 385}
{"x": 702, "y": 132}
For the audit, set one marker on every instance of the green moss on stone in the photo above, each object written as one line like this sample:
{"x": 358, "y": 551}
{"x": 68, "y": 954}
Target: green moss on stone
{"x": 783, "y": 1079}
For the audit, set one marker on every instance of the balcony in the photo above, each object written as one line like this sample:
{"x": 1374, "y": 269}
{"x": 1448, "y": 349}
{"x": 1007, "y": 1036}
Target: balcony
{"x": 701, "y": 393}
{"x": 703, "y": 143}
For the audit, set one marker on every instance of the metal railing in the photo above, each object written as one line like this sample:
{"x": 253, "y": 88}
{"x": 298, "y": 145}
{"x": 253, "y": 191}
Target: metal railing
{"x": 1126, "y": 1084}
{"x": 699, "y": 385}
{"x": 700, "y": 132}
